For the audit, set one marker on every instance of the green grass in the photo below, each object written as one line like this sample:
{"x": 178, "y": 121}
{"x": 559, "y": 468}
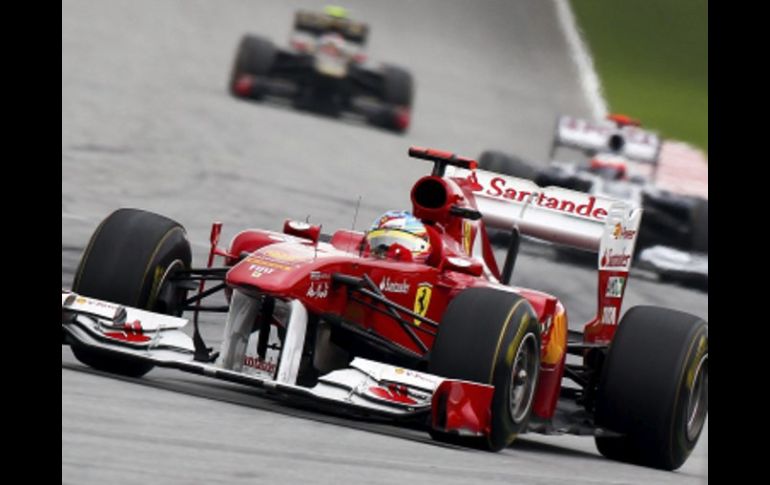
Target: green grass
{"x": 652, "y": 59}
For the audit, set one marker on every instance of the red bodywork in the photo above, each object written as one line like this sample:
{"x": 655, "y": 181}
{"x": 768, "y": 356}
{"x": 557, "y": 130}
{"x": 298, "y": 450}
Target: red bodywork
{"x": 295, "y": 265}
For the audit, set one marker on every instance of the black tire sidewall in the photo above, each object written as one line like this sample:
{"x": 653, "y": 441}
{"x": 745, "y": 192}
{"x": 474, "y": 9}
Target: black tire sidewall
{"x": 125, "y": 262}
{"x": 255, "y": 56}
{"x": 480, "y": 328}
{"x": 645, "y": 387}
{"x": 128, "y": 254}
{"x": 700, "y": 226}
{"x": 504, "y": 429}
{"x": 398, "y": 86}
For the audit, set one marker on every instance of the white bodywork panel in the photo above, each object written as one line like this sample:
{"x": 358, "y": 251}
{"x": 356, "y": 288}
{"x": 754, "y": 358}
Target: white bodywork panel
{"x": 553, "y": 214}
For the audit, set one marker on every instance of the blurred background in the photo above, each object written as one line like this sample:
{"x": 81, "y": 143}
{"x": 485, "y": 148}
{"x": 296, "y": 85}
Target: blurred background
{"x": 652, "y": 58}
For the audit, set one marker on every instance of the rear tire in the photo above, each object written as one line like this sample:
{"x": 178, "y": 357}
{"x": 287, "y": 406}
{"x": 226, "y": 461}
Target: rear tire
{"x": 255, "y": 57}
{"x": 398, "y": 86}
{"x": 700, "y": 226}
{"x": 659, "y": 402}
{"x": 491, "y": 337}
{"x": 128, "y": 261}
{"x": 502, "y": 163}
{"x": 397, "y": 95}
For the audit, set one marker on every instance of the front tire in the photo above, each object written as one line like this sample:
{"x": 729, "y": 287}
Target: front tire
{"x": 129, "y": 261}
{"x": 491, "y": 337}
{"x": 654, "y": 388}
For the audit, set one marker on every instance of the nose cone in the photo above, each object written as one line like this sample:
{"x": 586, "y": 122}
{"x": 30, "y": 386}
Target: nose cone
{"x": 279, "y": 268}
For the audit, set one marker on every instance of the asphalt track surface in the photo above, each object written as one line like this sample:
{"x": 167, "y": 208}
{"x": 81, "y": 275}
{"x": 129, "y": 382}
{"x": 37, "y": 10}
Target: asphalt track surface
{"x": 147, "y": 123}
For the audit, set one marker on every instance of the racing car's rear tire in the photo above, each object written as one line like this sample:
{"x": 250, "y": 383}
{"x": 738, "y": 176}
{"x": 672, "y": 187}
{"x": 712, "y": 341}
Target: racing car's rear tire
{"x": 128, "y": 261}
{"x": 491, "y": 337}
{"x": 700, "y": 226}
{"x": 397, "y": 95}
{"x": 654, "y": 388}
{"x": 502, "y": 163}
{"x": 398, "y": 86}
{"x": 255, "y": 57}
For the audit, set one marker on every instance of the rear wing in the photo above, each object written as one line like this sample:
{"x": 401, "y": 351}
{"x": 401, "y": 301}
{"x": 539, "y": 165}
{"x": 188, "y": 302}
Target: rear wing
{"x": 316, "y": 23}
{"x": 553, "y": 214}
{"x": 607, "y": 136}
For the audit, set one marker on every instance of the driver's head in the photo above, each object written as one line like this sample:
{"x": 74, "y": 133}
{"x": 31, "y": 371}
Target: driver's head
{"x": 398, "y": 228}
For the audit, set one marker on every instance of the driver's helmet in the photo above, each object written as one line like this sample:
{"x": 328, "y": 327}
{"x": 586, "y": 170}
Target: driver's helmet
{"x": 336, "y": 11}
{"x": 402, "y": 228}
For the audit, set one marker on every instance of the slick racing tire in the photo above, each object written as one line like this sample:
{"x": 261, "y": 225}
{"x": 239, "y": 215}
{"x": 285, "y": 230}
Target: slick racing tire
{"x": 654, "y": 388}
{"x": 129, "y": 261}
{"x": 502, "y": 163}
{"x": 491, "y": 337}
{"x": 398, "y": 86}
{"x": 255, "y": 57}
{"x": 700, "y": 226}
{"x": 397, "y": 95}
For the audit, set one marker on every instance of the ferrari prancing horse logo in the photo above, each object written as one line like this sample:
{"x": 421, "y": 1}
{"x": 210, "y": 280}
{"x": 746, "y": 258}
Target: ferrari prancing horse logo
{"x": 422, "y": 300}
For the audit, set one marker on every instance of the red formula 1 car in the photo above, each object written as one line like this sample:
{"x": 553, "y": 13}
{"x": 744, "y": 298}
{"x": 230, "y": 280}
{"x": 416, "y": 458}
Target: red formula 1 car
{"x": 441, "y": 340}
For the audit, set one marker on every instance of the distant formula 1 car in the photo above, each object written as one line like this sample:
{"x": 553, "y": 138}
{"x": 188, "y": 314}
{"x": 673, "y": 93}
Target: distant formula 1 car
{"x": 622, "y": 162}
{"x": 325, "y": 69}
{"x": 362, "y": 323}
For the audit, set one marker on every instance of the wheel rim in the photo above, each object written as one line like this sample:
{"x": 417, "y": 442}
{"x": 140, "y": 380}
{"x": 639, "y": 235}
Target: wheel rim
{"x": 697, "y": 406}
{"x": 523, "y": 378}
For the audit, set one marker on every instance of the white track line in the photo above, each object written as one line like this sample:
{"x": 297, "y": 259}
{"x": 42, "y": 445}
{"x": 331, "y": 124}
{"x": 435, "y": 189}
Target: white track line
{"x": 589, "y": 81}
{"x": 76, "y": 217}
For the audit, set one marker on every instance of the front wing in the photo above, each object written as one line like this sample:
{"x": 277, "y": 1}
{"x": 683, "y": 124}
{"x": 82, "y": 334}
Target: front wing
{"x": 364, "y": 387}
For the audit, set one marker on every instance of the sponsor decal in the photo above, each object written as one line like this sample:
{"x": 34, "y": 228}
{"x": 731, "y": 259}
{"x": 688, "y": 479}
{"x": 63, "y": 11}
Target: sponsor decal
{"x": 319, "y": 276}
{"x": 257, "y": 271}
{"x": 318, "y": 290}
{"x": 97, "y": 303}
{"x": 497, "y": 188}
{"x": 279, "y": 255}
{"x": 265, "y": 263}
{"x": 609, "y": 315}
{"x": 422, "y": 300}
{"x": 615, "y": 286}
{"x": 259, "y": 364}
{"x": 391, "y": 286}
{"x": 610, "y": 260}
{"x": 621, "y": 232}
{"x": 421, "y": 377}
{"x": 467, "y": 234}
